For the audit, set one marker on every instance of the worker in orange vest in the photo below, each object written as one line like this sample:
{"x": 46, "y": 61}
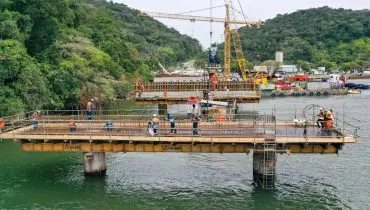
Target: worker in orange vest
{"x": 2, "y": 124}
{"x": 214, "y": 81}
{"x": 329, "y": 118}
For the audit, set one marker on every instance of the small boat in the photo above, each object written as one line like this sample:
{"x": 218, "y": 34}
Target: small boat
{"x": 354, "y": 91}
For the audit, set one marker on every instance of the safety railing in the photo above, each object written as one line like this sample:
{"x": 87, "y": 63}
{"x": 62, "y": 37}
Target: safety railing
{"x": 145, "y": 115}
{"x": 15, "y": 121}
{"x": 183, "y": 129}
{"x": 347, "y": 125}
{"x": 130, "y": 121}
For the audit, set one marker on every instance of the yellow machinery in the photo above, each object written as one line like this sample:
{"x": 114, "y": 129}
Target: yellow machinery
{"x": 229, "y": 34}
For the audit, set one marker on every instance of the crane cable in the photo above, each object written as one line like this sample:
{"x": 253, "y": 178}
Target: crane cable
{"x": 199, "y": 10}
{"x": 241, "y": 8}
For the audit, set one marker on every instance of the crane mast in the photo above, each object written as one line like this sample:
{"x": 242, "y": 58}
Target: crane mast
{"x": 227, "y": 47}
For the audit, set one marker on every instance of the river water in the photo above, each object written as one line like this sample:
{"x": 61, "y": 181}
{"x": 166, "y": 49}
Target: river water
{"x": 195, "y": 181}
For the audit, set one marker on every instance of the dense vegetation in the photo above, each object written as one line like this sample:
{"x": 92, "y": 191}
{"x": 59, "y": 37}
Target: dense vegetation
{"x": 57, "y": 53}
{"x": 333, "y": 38}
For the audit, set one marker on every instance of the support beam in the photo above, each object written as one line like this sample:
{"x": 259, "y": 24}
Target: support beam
{"x": 264, "y": 168}
{"x": 94, "y": 163}
{"x": 155, "y": 146}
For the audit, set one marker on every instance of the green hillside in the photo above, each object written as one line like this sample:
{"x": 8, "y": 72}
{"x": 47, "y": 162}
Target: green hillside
{"x": 334, "y": 38}
{"x": 57, "y": 53}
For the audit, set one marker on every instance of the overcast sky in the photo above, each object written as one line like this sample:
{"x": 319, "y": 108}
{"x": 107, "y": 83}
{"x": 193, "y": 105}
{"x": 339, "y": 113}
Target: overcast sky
{"x": 253, "y": 9}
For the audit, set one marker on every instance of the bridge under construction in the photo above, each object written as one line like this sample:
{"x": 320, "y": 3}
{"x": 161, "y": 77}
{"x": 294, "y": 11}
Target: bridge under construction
{"x": 262, "y": 135}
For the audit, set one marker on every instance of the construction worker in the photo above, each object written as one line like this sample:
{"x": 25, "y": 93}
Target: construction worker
{"x": 2, "y": 124}
{"x": 141, "y": 90}
{"x": 329, "y": 119}
{"x": 89, "y": 107}
{"x": 109, "y": 126}
{"x": 214, "y": 81}
{"x": 320, "y": 121}
{"x": 72, "y": 126}
{"x": 155, "y": 122}
{"x": 172, "y": 124}
{"x": 195, "y": 121}
{"x": 35, "y": 119}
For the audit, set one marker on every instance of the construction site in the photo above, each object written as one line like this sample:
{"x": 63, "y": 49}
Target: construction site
{"x": 219, "y": 128}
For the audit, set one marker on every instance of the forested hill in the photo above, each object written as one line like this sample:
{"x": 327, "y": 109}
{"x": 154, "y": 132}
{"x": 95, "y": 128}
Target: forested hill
{"x": 58, "y": 53}
{"x": 335, "y": 38}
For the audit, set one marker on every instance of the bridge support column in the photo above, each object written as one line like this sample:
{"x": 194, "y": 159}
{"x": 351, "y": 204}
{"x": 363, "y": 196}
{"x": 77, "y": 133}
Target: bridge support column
{"x": 264, "y": 168}
{"x": 162, "y": 109}
{"x": 95, "y": 163}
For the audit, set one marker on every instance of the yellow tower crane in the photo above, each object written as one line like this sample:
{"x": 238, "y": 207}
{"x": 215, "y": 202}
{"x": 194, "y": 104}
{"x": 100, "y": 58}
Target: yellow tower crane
{"x": 229, "y": 34}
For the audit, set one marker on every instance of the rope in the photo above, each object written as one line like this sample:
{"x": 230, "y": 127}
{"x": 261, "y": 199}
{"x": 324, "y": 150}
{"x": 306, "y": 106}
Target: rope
{"x": 241, "y": 8}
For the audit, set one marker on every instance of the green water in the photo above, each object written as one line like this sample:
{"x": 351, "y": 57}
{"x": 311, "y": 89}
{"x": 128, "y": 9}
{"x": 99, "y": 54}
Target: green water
{"x": 194, "y": 181}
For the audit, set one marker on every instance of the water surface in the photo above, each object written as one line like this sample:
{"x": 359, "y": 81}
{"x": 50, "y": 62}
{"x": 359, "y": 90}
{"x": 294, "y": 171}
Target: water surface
{"x": 195, "y": 181}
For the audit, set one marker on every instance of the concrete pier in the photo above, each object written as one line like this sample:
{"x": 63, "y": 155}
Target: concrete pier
{"x": 94, "y": 163}
{"x": 264, "y": 168}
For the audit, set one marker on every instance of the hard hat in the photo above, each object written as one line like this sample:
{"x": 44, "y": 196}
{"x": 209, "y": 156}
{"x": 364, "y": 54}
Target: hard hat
{"x": 321, "y": 108}
{"x": 154, "y": 115}
{"x": 92, "y": 99}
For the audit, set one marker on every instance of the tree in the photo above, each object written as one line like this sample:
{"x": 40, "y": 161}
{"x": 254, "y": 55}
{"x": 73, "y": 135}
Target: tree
{"x": 56, "y": 53}
{"x": 304, "y": 65}
{"x": 271, "y": 63}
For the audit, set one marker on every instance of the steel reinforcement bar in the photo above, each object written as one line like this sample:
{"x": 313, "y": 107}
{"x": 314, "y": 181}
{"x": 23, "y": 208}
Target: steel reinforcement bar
{"x": 195, "y": 86}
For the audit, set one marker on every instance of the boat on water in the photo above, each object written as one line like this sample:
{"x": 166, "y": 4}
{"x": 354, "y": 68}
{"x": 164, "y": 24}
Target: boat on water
{"x": 357, "y": 86}
{"x": 354, "y": 91}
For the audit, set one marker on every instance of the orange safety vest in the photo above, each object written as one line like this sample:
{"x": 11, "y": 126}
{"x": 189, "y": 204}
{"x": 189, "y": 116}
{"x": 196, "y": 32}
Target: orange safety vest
{"x": 2, "y": 124}
{"x": 36, "y": 116}
{"x": 220, "y": 119}
{"x": 214, "y": 80}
